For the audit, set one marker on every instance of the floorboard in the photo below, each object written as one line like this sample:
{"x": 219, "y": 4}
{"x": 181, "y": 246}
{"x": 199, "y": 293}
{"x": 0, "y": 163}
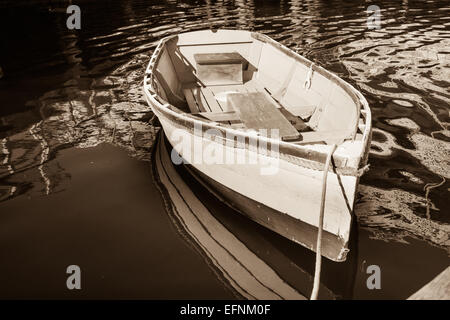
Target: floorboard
{"x": 257, "y": 112}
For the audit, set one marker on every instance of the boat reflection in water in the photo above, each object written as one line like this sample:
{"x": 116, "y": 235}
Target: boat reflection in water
{"x": 254, "y": 262}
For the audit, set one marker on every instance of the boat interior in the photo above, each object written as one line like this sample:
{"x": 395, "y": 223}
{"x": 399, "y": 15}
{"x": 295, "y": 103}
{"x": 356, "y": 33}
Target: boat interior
{"x": 249, "y": 82}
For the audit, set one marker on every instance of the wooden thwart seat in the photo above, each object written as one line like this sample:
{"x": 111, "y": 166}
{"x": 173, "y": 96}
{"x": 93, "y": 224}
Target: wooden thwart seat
{"x": 219, "y": 68}
{"x": 257, "y": 112}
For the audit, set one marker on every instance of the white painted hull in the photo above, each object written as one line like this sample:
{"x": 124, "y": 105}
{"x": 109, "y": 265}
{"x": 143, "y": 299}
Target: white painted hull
{"x": 294, "y": 190}
{"x": 297, "y": 189}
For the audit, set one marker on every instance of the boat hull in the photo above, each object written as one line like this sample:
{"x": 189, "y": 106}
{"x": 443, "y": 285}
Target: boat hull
{"x": 279, "y": 185}
{"x": 333, "y": 247}
{"x": 287, "y": 202}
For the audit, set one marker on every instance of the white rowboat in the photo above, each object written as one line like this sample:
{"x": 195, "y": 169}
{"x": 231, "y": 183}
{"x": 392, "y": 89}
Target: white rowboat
{"x": 238, "y": 92}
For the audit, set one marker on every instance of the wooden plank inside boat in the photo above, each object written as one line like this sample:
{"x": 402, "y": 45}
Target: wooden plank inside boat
{"x": 257, "y": 112}
{"x": 193, "y": 106}
{"x": 298, "y": 123}
{"x": 214, "y": 105}
{"x": 201, "y": 100}
{"x": 219, "y": 68}
{"x": 218, "y": 58}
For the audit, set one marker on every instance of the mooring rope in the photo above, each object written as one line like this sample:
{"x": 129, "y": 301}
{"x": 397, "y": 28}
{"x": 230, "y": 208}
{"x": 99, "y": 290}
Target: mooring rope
{"x": 315, "y": 290}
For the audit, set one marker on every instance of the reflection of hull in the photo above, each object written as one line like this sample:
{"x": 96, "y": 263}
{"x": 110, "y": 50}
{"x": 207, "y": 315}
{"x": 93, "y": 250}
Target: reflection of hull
{"x": 250, "y": 276}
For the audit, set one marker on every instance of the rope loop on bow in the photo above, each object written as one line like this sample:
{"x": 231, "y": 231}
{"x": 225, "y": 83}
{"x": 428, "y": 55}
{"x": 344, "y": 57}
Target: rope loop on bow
{"x": 307, "y": 83}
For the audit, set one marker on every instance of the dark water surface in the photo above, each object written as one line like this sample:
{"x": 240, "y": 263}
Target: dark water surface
{"x": 80, "y": 180}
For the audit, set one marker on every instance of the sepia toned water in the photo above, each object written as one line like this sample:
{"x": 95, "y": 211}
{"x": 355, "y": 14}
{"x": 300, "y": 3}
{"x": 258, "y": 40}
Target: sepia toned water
{"x": 83, "y": 180}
